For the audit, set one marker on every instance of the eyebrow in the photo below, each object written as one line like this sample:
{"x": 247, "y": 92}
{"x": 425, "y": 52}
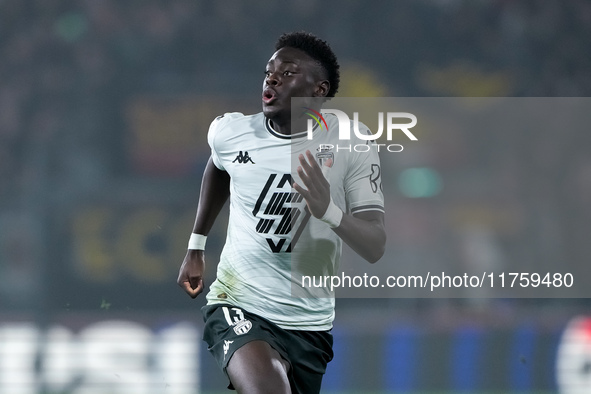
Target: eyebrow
{"x": 283, "y": 62}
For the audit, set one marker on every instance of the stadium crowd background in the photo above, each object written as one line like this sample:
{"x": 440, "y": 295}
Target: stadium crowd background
{"x": 86, "y": 85}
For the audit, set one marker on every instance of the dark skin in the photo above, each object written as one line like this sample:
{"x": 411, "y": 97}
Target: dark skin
{"x": 291, "y": 73}
{"x": 257, "y": 367}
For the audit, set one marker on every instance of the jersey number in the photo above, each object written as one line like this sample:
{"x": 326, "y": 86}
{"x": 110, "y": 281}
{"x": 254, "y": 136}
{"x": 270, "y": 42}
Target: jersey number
{"x": 375, "y": 178}
{"x": 238, "y": 315}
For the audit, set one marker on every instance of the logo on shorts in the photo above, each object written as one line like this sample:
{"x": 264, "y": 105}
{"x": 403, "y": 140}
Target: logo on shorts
{"x": 242, "y": 327}
{"x": 227, "y": 347}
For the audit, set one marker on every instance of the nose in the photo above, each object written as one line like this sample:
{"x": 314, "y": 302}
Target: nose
{"x": 271, "y": 79}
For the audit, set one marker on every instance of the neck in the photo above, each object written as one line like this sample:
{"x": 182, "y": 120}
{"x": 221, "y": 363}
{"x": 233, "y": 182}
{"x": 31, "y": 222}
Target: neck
{"x": 287, "y": 127}
{"x": 282, "y": 127}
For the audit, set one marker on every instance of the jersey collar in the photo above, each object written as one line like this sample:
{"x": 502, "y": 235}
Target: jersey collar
{"x": 270, "y": 129}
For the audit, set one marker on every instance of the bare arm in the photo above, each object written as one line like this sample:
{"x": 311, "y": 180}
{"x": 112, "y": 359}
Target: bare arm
{"x": 363, "y": 232}
{"x": 215, "y": 189}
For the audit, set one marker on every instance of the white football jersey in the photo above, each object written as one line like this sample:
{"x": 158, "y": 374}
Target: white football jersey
{"x": 272, "y": 239}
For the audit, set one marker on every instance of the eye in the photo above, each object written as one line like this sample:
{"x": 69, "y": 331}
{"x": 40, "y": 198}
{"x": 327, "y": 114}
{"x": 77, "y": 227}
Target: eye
{"x": 288, "y": 73}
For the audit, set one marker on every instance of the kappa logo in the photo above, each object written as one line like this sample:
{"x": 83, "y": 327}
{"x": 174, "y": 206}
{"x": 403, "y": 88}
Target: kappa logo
{"x": 242, "y": 327}
{"x": 227, "y": 347}
{"x": 243, "y": 158}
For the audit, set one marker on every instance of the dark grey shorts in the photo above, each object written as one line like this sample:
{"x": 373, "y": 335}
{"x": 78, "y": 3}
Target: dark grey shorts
{"x": 227, "y": 328}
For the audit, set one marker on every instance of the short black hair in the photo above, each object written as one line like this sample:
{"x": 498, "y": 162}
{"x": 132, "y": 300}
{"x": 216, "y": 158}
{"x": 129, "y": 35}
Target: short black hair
{"x": 318, "y": 50}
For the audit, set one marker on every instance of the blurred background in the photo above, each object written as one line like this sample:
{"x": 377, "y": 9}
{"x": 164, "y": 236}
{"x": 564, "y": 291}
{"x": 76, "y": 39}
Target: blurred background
{"x": 104, "y": 108}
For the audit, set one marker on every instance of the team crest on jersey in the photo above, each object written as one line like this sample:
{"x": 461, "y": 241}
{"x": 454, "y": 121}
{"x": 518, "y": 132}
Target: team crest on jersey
{"x": 324, "y": 153}
{"x": 242, "y": 327}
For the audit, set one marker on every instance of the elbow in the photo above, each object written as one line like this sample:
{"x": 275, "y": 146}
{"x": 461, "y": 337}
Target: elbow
{"x": 377, "y": 250}
{"x": 375, "y": 256}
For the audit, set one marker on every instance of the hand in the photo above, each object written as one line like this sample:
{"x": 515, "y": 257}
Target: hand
{"x": 317, "y": 194}
{"x": 191, "y": 273}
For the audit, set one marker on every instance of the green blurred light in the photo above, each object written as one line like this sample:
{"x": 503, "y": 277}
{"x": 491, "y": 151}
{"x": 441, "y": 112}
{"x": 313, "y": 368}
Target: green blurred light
{"x": 420, "y": 182}
{"x": 71, "y": 26}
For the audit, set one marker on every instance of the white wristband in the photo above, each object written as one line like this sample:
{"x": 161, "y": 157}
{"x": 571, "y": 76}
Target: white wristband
{"x": 333, "y": 215}
{"x": 197, "y": 242}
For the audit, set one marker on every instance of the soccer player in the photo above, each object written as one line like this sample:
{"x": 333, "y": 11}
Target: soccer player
{"x": 267, "y": 332}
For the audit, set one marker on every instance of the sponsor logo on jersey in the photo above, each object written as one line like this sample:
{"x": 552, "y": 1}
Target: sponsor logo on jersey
{"x": 243, "y": 158}
{"x": 278, "y": 211}
{"x": 242, "y": 327}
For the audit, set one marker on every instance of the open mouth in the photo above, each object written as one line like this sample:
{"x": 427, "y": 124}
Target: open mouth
{"x": 269, "y": 96}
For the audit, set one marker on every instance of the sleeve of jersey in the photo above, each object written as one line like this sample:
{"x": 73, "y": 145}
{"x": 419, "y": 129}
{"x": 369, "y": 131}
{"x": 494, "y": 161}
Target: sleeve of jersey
{"x": 214, "y": 131}
{"x": 363, "y": 183}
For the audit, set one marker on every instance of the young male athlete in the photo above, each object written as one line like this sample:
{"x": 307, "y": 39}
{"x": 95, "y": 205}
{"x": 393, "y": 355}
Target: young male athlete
{"x": 268, "y": 333}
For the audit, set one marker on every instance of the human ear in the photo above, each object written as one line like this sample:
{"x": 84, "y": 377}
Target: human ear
{"x": 322, "y": 89}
